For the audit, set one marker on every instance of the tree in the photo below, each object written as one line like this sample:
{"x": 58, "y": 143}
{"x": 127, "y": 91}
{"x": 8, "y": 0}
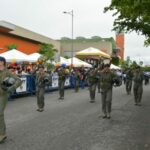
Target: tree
{"x": 11, "y": 46}
{"x": 80, "y": 38}
{"x": 67, "y": 57}
{"x": 47, "y": 52}
{"x": 96, "y": 37}
{"x": 115, "y": 61}
{"x": 132, "y": 15}
{"x": 141, "y": 63}
{"x": 65, "y": 39}
{"x": 134, "y": 64}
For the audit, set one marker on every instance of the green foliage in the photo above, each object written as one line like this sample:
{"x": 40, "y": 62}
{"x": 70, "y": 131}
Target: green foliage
{"x": 146, "y": 68}
{"x": 128, "y": 63}
{"x": 66, "y": 57}
{"x": 131, "y": 15}
{"x": 96, "y": 37}
{"x": 115, "y": 61}
{"x": 65, "y": 39}
{"x": 124, "y": 65}
{"x": 47, "y": 52}
{"x": 11, "y": 46}
{"x": 88, "y": 40}
{"x": 134, "y": 64}
{"x": 49, "y": 66}
{"x": 80, "y": 38}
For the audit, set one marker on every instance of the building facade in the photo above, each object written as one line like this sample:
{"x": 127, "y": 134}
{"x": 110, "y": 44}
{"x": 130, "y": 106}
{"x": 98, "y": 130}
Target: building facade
{"x": 104, "y": 44}
{"x": 120, "y": 44}
{"x": 29, "y": 42}
{"x": 25, "y": 40}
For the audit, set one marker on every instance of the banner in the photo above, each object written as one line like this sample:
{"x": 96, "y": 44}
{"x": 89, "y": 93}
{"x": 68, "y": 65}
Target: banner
{"x": 55, "y": 80}
{"x": 23, "y": 87}
{"x": 67, "y": 82}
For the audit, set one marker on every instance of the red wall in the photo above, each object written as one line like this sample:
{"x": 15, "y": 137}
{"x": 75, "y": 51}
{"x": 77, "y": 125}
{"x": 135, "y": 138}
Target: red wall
{"x": 120, "y": 44}
{"x": 23, "y": 45}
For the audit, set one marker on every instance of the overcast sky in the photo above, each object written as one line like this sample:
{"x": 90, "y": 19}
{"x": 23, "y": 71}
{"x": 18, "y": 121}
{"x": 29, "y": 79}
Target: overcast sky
{"x": 46, "y": 17}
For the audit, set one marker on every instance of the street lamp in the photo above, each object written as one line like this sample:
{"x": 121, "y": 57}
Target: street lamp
{"x": 72, "y": 49}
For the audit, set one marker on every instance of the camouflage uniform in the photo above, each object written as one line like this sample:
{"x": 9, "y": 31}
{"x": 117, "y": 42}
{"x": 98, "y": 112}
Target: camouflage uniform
{"x": 61, "y": 82}
{"x": 98, "y": 82}
{"x": 40, "y": 89}
{"x": 106, "y": 83}
{"x": 92, "y": 82}
{"x": 138, "y": 86}
{"x": 76, "y": 80}
{"x": 4, "y": 98}
{"x": 129, "y": 76}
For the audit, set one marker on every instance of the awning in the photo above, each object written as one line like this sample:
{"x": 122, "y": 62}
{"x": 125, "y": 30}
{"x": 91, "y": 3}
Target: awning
{"x": 92, "y": 51}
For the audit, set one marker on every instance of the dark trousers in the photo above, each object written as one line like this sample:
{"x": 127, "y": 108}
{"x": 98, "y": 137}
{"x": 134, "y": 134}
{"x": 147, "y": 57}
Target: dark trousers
{"x": 61, "y": 85}
{"x": 92, "y": 89}
{"x": 76, "y": 85}
{"x": 138, "y": 91}
{"x": 98, "y": 86}
{"x": 3, "y": 102}
{"x": 82, "y": 84}
{"x": 40, "y": 97}
{"x": 128, "y": 86}
{"x": 106, "y": 97}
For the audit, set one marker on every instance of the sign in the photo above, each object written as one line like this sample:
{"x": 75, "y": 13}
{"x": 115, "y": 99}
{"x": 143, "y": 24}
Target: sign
{"x": 23, "y": 87}
{"x": 55, "y": 81}
{"x": 67, "y": 82}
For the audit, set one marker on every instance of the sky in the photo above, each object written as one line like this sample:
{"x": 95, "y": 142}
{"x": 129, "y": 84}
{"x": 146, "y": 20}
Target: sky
{"x": 47, "y": 18}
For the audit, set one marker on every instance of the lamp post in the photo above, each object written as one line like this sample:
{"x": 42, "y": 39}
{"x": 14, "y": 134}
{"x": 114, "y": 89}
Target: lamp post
{"x": 72, "y": 48}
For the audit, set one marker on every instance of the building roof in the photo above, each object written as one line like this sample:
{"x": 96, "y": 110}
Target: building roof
{"x": 25, "y": 33}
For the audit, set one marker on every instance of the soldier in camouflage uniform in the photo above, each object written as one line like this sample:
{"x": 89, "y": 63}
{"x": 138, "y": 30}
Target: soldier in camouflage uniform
{"x": 92, "y": 82}
{"x": 98, "y": 82}
{"x": 106, "y": 82}
{"x": 129, "y": 76}
{"x": 138, "y": 85}
{"x": 76, "y": 80}
{"x": 40, "y": 82}
{"x": 4, "y": 93}
{"x": 62, "y": 75}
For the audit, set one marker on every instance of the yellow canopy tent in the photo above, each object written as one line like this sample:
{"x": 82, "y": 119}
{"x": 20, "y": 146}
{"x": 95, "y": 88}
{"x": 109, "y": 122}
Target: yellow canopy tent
{"x": 92, "y": 52}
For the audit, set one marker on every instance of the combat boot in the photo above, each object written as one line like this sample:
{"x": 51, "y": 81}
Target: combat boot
{"x": 41, "y": 109}
{"x": 104, "y": 116}
{"x": 92, "y": 100}
{"x": 38, "y": 109}
{"x": 2, "y": 138}
{"x": 139, "y": 104}
{"x": 108, "y": 116}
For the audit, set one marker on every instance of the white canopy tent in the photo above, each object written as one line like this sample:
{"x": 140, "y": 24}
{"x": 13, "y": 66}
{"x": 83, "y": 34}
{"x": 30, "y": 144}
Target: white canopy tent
{"x": 63, "y": 61}
{"x": 92, "y": 51}
{"x": 114, "y": 67}
{"x": 14, "y": 54}
{"x": 79, "y": 63}
{"x": 33, "y": 57}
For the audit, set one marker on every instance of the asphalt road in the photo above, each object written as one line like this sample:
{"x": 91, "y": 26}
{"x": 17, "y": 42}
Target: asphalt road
{"x": 76, "y": 124}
